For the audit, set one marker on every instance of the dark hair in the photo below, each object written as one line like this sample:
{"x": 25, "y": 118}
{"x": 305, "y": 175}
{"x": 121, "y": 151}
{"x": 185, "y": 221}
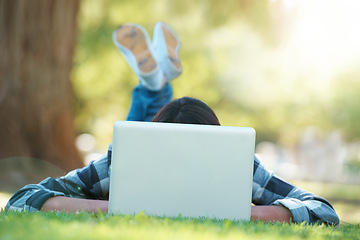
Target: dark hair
{"x": 187, "y": 110}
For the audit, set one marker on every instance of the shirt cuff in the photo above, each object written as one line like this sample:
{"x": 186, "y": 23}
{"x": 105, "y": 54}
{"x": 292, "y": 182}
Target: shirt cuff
{"x": 297, "y": 208}
{"x": 37, "y": 200}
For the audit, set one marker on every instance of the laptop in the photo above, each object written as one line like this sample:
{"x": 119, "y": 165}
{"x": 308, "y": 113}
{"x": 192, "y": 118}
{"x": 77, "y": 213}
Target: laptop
{"x": 188, "y": 170}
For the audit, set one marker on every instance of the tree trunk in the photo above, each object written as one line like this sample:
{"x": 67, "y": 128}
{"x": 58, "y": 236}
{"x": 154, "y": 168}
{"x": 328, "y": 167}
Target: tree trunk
{"x": 36, "y": 51}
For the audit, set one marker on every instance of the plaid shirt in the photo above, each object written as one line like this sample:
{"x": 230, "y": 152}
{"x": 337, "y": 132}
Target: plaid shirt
{"x": 92, "y": 182}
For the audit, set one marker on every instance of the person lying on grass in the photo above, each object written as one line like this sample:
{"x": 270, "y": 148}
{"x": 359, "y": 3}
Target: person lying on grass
{"x": 155, "y": 64}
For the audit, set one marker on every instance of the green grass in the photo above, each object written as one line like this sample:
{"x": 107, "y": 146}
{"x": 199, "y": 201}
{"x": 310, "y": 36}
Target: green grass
{"x": 88, "y": 226}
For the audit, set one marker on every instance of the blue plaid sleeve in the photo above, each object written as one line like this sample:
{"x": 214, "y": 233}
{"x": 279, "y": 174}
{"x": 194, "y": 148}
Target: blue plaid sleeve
{"x": 269, "y": 189}
{"x": 90, "y": 182}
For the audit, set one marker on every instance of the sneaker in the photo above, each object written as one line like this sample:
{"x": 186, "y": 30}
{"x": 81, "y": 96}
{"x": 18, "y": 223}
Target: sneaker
{"x": 134, "y": 43}
{"x": 166, "y": 45}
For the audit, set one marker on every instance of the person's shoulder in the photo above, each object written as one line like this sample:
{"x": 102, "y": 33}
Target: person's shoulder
{"x": 103, "y": 162}
{"x": 104, "y": 159}
{"x": 257, "y": 163}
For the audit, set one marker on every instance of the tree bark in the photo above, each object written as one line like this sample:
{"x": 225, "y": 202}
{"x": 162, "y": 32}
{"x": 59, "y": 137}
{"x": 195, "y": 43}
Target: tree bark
{"x": 36, "y": 51}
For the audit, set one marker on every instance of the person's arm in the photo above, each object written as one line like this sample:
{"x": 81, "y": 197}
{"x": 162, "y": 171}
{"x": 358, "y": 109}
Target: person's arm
{"x": 68, "y": 204}
{"x": 270, "y": 190}
{"x": 271, "y": 213}
{"x": 90, "y": 182}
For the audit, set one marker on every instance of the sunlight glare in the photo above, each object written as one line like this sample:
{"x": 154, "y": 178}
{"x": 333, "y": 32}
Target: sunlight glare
{"x": 316, "y": 42}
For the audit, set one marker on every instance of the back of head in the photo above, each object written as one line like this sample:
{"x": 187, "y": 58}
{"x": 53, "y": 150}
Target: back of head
{"x": 187, "y": 110}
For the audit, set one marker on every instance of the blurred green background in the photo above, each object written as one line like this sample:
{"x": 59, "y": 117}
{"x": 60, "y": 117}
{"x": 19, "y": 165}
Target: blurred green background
{"x": 276, "y": 66}
{"x": 288, "y": 68}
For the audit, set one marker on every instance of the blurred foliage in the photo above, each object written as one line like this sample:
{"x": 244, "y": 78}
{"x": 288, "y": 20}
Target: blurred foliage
{"x": 240, "y": 58}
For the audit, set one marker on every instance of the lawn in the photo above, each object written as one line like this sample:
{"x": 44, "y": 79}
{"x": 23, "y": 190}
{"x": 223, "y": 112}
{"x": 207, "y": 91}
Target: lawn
{"x": 88, "y": 226}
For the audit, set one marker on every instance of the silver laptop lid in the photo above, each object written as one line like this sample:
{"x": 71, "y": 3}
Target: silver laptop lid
{"x": 167, "y": 169}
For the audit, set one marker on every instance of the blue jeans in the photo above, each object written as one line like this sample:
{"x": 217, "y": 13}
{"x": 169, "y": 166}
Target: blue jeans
{"x": 146, "y": 103}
